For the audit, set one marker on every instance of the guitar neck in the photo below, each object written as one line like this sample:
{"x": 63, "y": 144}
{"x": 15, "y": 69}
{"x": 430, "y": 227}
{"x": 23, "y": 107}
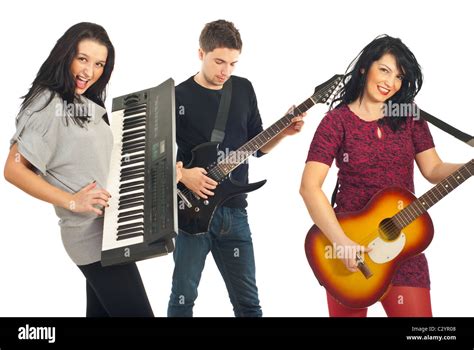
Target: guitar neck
{"x": 433, "y": 196}
{"x": 237, "y": 157}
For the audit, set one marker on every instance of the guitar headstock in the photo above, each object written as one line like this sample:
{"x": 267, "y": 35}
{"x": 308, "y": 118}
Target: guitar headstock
{"x": 325, "y": 91}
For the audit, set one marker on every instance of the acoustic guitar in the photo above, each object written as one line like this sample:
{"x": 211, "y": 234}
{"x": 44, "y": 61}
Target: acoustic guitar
{"x": 395, "y": 224}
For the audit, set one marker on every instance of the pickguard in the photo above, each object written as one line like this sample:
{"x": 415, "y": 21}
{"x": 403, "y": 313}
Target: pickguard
{"x": 383, "y": 251}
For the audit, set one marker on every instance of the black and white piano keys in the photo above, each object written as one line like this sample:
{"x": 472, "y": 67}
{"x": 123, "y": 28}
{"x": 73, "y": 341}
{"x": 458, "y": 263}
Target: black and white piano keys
{"x": 124, "y": 219}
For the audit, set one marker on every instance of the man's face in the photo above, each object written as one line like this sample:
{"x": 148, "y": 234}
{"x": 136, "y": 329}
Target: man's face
{"x": 218, "y": 65}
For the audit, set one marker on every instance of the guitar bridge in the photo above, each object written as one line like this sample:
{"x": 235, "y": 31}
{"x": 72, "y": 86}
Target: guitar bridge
{"x": 363, "y": 267}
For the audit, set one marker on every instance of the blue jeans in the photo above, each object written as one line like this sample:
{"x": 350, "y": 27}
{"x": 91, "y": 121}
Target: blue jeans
{"x": 229, "y": 239}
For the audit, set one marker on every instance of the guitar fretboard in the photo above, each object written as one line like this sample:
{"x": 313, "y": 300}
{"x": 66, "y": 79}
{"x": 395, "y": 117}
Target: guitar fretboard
{"x": 237, "y": 157}
{"x": 433, "y": 196}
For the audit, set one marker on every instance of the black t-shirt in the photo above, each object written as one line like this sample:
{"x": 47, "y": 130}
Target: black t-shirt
{"x": 196, "y": 112}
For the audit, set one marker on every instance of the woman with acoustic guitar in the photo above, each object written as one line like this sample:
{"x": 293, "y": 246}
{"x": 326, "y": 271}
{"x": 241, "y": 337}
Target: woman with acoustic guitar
{"x": 374, "y": 148}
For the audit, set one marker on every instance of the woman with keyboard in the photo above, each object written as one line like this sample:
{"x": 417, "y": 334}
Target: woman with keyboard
{"x": 63, "y": 135}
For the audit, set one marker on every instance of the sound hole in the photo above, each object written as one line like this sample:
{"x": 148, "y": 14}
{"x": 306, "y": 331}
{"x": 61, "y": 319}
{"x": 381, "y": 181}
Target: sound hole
{"x": 388, "y": 230}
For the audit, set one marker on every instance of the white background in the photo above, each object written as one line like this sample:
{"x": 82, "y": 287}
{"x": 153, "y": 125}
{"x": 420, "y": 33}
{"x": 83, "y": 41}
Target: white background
{"x": 289, "y": 48}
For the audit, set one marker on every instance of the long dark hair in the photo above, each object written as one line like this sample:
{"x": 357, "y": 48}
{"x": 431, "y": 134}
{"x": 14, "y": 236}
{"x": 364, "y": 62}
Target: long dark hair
{"x": 55, "y": 72}
{"x": 356, "y": 75}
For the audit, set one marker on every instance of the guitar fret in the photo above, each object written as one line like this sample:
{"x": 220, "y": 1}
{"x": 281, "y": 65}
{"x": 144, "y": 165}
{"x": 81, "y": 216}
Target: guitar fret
{"x": 411, "y": 215}
{"x": 440, "y": 186}
{"x": 431, "y": 193}
{"x": 455, "y": 178}
{"x": 400, "y": 219}
{"x": 307, "y": 104}
{"x": 404, "y": 218}
{"x": 436, "y": 188}
{"x": 470, "y": 174}
{"x": 425, "y": 204}
{"x": 419, "y": 207}
{"x": 298, "y": 109}
{"x": 449, "y": 185}
{"x": 416, "y": 209}
{"x": 444, "y": 186}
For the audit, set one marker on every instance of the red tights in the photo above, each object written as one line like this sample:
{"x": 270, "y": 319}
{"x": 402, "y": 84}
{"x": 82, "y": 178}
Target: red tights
{"x": 400, "y": 301}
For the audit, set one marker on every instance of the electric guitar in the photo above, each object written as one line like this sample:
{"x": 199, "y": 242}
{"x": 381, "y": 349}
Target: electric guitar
{"x": 195, "y": 213}
{"x": 395, "y": 224}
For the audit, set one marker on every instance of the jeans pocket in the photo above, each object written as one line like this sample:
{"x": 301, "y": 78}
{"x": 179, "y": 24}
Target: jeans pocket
{"x": 234, "y": 220}
{"x": 240, "y": 212}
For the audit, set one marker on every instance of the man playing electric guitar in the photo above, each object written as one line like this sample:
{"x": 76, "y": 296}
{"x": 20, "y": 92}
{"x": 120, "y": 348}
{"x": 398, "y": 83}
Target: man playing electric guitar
{"x": 197, "y": 105}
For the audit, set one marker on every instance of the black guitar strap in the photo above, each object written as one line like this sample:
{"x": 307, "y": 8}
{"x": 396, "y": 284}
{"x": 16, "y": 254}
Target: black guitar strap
{"x": 218, "y": 133}
{"x": 448, "y": 128}
{"x": 466, "y": 138}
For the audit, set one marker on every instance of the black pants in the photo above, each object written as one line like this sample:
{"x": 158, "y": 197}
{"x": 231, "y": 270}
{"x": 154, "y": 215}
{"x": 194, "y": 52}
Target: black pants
{"x": 115, "y": 291}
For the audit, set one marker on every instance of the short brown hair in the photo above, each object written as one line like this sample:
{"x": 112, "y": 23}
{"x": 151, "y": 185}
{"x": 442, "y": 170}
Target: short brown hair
{"x": 219, "y": 34}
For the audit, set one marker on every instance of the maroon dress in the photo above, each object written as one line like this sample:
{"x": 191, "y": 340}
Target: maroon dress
{"x": 368, "y": 164}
